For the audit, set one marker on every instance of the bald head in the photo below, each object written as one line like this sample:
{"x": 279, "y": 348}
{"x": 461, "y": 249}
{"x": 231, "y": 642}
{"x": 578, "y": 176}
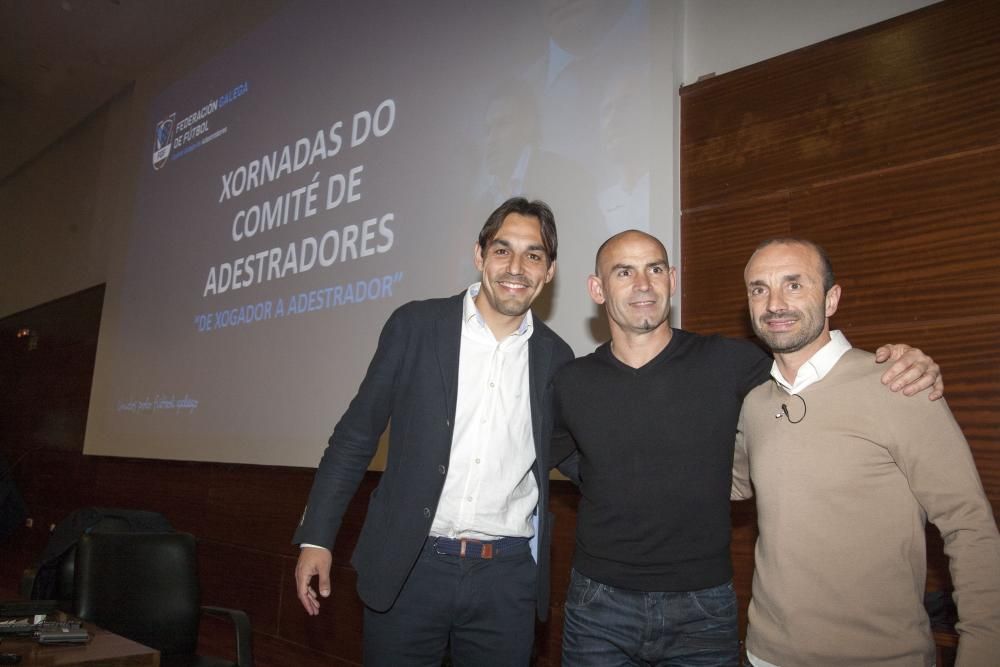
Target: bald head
{"x": 634, "y": 283}
{"x": 824, "y": 265}
{"x": 607, "y": 253}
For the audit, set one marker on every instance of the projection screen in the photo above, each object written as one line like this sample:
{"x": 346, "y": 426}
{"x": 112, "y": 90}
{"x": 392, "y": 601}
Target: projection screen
{"x": 336, "y": 163}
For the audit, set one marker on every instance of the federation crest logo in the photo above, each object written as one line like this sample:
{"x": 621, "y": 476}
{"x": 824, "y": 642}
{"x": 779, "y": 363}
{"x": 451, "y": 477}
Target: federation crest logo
{"x": 162, "y": 141}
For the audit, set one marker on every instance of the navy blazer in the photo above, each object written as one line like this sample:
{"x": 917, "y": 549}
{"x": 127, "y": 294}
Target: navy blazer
{"x": 413, "y": 379}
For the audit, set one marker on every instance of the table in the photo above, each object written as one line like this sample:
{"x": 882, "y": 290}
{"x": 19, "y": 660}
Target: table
{"x": 105, "y": 648}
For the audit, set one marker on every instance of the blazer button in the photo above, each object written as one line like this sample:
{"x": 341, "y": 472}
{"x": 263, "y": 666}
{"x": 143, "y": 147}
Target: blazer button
{"x": 427, "y": 512}
{"x": 442, "y": 469}
{"x": 447, "y": 422}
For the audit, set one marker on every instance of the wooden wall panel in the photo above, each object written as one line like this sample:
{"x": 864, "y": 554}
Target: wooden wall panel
{"x": 337, "y": 628}
{"x": 276, "y": 652}
{"x": 239, "y": 578}
{"x": 948, "y": 206}
{"x": 716, "y": 245}
{"x": 250, "y": 505}
{"x": 871, "y": 99}
{"x": 883, "y": 145}
{"x": 913, "y": 244}
{"x": 244, "y": 517}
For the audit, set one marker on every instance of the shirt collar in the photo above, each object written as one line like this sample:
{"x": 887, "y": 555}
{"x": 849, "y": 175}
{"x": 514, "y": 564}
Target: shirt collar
{"x": 818, "y": 365}
{"x": 470, "y": 313}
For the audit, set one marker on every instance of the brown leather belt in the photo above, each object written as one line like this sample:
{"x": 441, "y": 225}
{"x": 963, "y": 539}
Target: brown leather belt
{"x": 466, "y": 548}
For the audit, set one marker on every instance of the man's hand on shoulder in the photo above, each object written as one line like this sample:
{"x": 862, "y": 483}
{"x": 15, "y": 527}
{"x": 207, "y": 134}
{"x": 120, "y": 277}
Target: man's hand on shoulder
{"x": 912, "y": 372}
{"x": 313, "y": 562}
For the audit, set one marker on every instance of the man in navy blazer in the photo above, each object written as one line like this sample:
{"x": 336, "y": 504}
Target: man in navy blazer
{"x": 443, "y": 559}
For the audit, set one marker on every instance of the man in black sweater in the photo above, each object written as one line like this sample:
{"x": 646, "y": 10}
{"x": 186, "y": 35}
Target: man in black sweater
{"x": 652, "y": 415}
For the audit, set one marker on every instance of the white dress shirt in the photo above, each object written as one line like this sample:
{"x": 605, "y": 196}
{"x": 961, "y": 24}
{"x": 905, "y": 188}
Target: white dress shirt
{"x": 490, "y": 491}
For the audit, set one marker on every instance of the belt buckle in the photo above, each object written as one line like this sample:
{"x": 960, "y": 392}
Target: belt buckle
{"x": 485, "y": 548}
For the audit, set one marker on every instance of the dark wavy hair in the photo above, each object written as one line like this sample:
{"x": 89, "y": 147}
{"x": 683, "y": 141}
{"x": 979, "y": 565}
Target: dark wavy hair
{"x": 534, "y": 209}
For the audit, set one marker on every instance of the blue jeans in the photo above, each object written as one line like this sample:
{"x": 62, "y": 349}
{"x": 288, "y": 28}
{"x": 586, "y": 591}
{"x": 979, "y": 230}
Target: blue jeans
{"x": 606, "y": 627}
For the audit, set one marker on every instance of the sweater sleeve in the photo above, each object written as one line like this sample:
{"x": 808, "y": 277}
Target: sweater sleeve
{"x": 932, "y": 452}
{"x": 749, "y": 364}
{"x": 741, "y": 488}
{"x": 563, "y": 445}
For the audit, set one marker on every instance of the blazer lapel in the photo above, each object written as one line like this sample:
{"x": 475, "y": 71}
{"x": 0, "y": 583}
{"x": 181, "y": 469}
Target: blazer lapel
{"x": 448, "y": 338}
{"x": 539, "y": 360}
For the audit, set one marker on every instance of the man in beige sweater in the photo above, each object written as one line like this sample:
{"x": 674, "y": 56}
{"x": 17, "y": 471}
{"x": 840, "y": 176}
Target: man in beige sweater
{"x": 846, "y": 475}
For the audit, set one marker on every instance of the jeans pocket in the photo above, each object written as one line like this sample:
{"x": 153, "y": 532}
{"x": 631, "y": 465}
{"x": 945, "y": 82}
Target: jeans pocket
{"x": 717, "y": 602}
{"x": 582, "y": 590}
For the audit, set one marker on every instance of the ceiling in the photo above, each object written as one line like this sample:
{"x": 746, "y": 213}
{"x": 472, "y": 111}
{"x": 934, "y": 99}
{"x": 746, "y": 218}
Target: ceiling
{"x": 60, "y": 60}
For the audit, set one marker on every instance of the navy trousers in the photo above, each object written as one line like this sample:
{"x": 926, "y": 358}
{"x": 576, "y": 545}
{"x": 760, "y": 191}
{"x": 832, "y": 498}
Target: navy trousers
{"x": 481, "y": 611}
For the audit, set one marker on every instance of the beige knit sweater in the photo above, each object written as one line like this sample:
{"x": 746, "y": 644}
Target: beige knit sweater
{"x": 842, "y": 498}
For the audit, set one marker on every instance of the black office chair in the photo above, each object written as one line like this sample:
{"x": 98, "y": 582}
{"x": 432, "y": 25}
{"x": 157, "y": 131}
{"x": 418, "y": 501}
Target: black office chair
{"x": 52, "y": 578}
{"x": 144, "y": 586}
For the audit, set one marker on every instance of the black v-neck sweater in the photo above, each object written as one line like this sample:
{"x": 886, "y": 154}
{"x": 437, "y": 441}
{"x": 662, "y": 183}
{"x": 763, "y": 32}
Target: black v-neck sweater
{"x": 656, "y": 455}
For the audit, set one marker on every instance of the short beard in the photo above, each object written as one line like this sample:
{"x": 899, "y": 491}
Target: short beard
{"x": 510, "y": 310}
{"x": 789, "y": 346}
{"x": 794, "y": 346}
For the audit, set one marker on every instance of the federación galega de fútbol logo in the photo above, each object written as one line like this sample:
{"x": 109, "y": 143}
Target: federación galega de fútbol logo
{"x": 162, "y": 141}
